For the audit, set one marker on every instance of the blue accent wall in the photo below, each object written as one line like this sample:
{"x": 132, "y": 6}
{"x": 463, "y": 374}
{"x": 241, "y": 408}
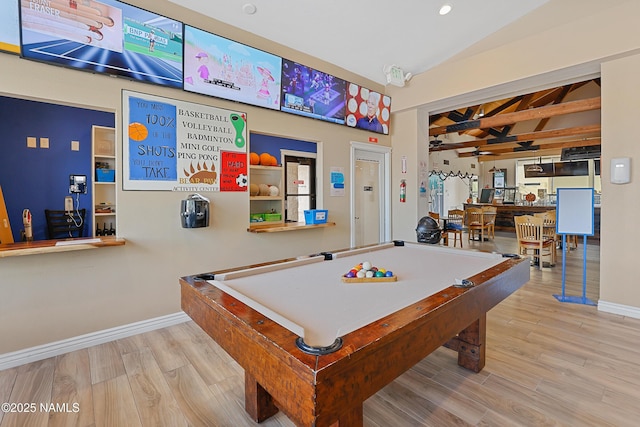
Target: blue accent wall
{"x": 260, "y": 143}
{"x": 38, "y": 178}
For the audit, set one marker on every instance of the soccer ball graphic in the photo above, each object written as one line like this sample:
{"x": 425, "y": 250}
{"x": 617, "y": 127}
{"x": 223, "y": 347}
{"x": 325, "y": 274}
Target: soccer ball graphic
{"x": 242, "y": 180}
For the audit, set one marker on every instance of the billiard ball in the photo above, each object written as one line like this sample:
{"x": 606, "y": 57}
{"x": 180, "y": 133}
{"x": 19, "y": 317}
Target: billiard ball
{"x": 388, "y": 273}
{"x": 379, "y": 274}
{"x": 361, "y": 274}
{"x": 366, "y": 265}
{"x": 369, "y": 273}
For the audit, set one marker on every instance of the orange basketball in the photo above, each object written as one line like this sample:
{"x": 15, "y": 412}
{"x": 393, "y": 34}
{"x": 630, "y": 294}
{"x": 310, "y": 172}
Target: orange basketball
{"x": 274, "y": 161}
{"x": 138, "y": 131}
{"x": 254, "y": 159}
{"x": 265, "y": 159}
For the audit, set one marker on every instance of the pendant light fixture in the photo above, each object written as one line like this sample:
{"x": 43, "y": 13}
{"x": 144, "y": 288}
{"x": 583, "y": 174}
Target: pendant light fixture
{"x": 494, "y": 169}
{"x": 535, "y": 167}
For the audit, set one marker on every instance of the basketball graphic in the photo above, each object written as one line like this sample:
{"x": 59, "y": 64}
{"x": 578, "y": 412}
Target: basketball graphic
{"x": 138, "y": 131}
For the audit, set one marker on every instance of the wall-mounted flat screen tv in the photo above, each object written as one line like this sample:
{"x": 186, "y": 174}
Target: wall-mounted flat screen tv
{"x": 367, "y": 109}
{"x": 220, "y": 67}
{"x": 9, "y": 26}
{"x": 311, "y": 93}
{"x": 547, "y": 171}
{"x": 577, "y": 168}
{"x": 105, "y": 36}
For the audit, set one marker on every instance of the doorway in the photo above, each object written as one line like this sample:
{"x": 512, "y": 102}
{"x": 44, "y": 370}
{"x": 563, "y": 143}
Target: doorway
{"x": 370, "y": 190}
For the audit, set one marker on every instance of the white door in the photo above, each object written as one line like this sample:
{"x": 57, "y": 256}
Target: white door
{"x": 370, "y": 199}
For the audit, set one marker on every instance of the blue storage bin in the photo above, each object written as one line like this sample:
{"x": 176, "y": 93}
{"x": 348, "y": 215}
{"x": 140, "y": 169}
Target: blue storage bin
{"x": 316, "y": 216}
{"x": 105, "y": 175}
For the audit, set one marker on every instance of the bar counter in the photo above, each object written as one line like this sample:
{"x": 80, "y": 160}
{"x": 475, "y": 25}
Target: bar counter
{"x": 505, "y": 214}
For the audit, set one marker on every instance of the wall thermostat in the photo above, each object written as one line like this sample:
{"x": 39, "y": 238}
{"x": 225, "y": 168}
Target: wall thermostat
{"x": 621, "y": 170}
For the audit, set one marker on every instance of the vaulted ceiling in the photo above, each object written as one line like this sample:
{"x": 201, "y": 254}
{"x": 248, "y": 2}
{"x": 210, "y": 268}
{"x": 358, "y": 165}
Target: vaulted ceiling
{"x": 365, "y": 36}
{"x": 536, "y": 124}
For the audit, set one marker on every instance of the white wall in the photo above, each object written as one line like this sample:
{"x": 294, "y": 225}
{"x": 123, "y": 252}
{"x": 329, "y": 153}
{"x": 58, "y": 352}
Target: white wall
{"x": 405, "y": 216}
{"x": 46, "y": 298}
{"x": 619, "y": 232}
{"x": 576, "y": 40}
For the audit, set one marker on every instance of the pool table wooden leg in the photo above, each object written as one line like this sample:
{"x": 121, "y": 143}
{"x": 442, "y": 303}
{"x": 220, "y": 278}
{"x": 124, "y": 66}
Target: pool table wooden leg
{"x": 471, "y": 345}
{"x": 354, "y": 417}
{"x": 257, "y": 401}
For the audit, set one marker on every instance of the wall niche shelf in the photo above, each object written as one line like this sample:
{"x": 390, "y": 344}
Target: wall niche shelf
{"x": 289, "y": 226}
{"x": 56, "y": 246}
{"x": 104, "y": 183}
{"x": 266, "y": 210}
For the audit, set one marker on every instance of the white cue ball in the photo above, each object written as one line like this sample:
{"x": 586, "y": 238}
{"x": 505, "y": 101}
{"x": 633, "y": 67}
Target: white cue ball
{"x": 366, "y": 265}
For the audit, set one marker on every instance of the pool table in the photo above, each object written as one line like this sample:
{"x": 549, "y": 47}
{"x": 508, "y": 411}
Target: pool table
{"x": 316, "y": 347}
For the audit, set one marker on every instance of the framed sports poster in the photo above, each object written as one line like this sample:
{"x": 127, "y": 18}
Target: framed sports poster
{"x": 500, "y": 178}
{"x": 174, "y": 145}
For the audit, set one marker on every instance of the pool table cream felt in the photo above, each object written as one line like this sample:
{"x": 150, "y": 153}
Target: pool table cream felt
{"x": 308, "y": 297}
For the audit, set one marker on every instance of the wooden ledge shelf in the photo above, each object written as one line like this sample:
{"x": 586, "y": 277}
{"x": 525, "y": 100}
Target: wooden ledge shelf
{"x": 289, "y": 226}
{"x": 55, "y": 246}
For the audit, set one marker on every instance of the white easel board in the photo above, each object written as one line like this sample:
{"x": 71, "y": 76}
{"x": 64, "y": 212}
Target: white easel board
{"x": 575, "y": 213}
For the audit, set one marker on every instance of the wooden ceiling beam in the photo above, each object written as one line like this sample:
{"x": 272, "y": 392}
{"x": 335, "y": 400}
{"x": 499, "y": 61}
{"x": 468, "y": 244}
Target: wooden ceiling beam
{"x": 564, "y": 91}
{"x": 520, "y": 116}
{"x": 545, "y": 134}
{"x": 483, "y": 133}
{"x": 515, "y": 156}
{"x": 536, "y": 148}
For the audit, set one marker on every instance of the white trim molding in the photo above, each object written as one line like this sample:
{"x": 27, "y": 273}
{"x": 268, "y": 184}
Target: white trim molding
{"x": 623, "y": 310}
{"x": 33, "y": 354}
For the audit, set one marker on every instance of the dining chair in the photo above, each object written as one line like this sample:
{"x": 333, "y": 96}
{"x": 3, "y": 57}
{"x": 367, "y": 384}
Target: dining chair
{"x": 474, "y": 222}
{"x": 489, "y": 214}
{"x": 572, "y": 242}
{"x": 455, "y": 225}
{"x": 63, "y": 224}
{"x": 530, "y": 236}
{"x": 549, "y": 220}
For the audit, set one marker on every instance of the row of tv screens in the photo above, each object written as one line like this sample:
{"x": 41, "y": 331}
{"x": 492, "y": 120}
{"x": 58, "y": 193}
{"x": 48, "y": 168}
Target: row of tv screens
{"x": 112, "y": 37}
{"x": 575, "y": 168}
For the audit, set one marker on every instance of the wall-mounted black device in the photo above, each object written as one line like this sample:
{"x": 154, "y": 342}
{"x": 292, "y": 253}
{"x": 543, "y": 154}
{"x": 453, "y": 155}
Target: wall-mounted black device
{"x": 194, "y": 211}
{"x": 77, "y": 184}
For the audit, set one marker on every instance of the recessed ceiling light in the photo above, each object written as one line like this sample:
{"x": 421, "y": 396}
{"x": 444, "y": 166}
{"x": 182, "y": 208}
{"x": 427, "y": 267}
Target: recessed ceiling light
{"x": 249, "y": 8}
{"x": 445, "y": 8}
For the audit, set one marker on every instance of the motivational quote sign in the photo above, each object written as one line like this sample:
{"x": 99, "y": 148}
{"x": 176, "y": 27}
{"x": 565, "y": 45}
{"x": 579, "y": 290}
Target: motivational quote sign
{"x": 182, "y": 146}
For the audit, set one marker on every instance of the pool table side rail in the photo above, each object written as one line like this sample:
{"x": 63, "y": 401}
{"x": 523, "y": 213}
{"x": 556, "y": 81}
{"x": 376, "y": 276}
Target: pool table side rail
{"x": 383, "y": 350}
{"x": 263, "y": 348}
{"x": 371, "y": 357}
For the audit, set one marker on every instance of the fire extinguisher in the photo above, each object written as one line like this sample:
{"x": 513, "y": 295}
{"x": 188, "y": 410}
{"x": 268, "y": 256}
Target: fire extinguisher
{"x": 403, "y": 191}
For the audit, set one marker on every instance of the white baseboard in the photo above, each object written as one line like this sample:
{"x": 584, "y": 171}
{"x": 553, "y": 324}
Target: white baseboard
{"x": 623, "y": 310}
{"x": 28, "y": 355}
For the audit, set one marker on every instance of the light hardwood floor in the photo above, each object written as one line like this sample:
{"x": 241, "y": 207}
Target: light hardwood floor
{"x": 548, "y": 363}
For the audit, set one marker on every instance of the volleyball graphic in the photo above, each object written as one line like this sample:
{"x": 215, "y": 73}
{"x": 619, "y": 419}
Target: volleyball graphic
{"x": 138, "y": 131}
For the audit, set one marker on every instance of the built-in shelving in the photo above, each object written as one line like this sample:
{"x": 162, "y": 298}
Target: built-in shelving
{"x": 104, "y": 186}
{"x": 266, "y": 209}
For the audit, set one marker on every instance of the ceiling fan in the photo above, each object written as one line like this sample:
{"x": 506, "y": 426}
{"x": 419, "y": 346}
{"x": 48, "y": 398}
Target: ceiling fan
{"x": 477, "y": 152}
{"x": 435, "y": 142}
